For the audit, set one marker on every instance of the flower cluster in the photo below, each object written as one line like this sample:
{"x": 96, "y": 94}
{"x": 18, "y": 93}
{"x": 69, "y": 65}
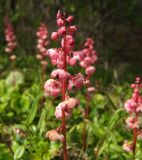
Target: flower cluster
{"x": 61, "y": 80}
{"x": 134, "y": 107}
{"x": 88, "y": 61}
{"x": 42, "y": 42}
{"x": 10, "y": 38}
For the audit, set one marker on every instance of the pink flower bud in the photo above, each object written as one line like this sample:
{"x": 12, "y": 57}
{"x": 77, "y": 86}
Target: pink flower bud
{"x": 40, "y": 41}
{"x": 59, "y": 14}
{"x": 72, "y": 29}
{"x": 138, "y": 79}
{"x": 70, "y": 19}
{"x": 90, "y": 70}
{"x": 54, "y": 36}
{"x": 60, "y": 22}
{"x": 39, "y": 56}
{"x": 133, "y": 86}
{"x": 8, "y": 50}
{"x": 62, "y": 30}
{"x": 13, "y": 57}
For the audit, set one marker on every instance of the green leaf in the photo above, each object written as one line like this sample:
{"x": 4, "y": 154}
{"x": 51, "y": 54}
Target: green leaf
{"x": 33, "y": 110}
{"x": 19, "y": 152}
{"x": 114, "y": 118}
{"x": 42, "y": 123}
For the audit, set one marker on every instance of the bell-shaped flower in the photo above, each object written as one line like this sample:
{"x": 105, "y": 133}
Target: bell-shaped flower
{"x": 52, "y": 87}
{"x": 53, "y": 135}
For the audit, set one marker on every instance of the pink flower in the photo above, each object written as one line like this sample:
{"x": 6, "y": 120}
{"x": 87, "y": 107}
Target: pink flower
{"x": 62, "y": 31}
{"x": 72, "y": 102}
{"x": 52, "y": 87}
{"x": 91, "y": 90}
{"x": 59, "y": 14}
{"x": 70, "y": 19}
{"x": 72, "y": 29}
{"x": 90, "y": 70}
{"x": 53, "y": 135}
{"x": 60, "y": 73}
{"x": 132, "y": 122}
{"x": 68, "y": 106}
{"x": 60, "y": 22}
{"x": 58, "y": 110}
{"x": 71, "y": 61}
{"x": 76, "y": 81}
{"x": 79, "y": 55}
{"x": 39, "y": 56}
{"x": 13, "y": 57}
{"x": 69, "y": 43}
{"x": 9, "y": 36}
{"x": 42, "y": 41}
{"x": 60, "y": 62}
{"x": 54, "y": 55}
{"x": 130, "y": 105}
{"x": 128, "y": 147}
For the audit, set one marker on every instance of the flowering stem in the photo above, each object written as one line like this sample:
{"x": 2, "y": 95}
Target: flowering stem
{"x": 63, "y": 91}
{"x": 14, "y": 78}
{"x": 135, "y": 139}
{"x": 86, "y": 114}
{"x": 42, "y": 72}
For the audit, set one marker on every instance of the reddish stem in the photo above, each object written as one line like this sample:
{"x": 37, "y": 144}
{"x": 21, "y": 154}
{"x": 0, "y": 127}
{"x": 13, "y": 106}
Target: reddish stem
{"x": 135, "y": 135}
{"x": 63, "y": 91}
{"x": 42, "y": 72}
{"x": 14, "y": 81}
{"x": 14, "y": 78}
{"x": 86, "y": 114}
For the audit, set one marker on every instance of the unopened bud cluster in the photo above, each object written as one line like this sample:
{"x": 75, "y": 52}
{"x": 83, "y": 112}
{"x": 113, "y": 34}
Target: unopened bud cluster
{"x": 10, "y": 38}
{"x": 42, "y": 42}
{"x": 88, "y": 61}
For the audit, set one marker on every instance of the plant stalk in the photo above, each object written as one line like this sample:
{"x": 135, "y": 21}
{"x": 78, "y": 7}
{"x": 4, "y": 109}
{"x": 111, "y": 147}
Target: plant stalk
{"x": 86, "y": 114}
{"x": 63, "y": 91}
{"x": 135, "y": 135}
